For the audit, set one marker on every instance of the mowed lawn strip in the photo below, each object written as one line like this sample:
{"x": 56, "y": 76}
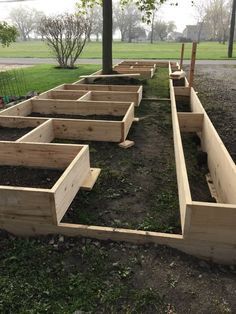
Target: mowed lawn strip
{"x": 93, "y": 50}
{"x": 41, "y": 78}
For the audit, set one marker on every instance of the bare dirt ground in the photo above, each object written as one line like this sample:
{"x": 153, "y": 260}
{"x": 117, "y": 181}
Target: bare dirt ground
{"x": 217, "y": 91}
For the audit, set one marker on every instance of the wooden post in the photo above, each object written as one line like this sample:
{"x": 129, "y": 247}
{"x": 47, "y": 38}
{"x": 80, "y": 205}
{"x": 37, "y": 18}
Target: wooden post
{"x": 182, "y": 57}
{"x": 192, "y": 67}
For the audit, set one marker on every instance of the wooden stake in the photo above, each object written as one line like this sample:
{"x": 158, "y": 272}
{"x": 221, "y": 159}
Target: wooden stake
{"x": 193, "y": 61}
{"x": 182, "y": 57}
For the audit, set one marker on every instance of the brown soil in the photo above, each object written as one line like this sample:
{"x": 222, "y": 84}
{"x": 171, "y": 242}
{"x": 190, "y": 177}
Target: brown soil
{"x": 28, "y": 177}
{"x": 13, "y": 134}
{"x": 197, "y": 168}
{"x": 88, "y": 117}
{"x": 216, "y": 87}
{"x": 118, "y": 81}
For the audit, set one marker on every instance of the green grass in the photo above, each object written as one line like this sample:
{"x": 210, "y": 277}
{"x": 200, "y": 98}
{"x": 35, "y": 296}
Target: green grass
{"x": 38, "y": 49}
{"x": 43, "y": 77}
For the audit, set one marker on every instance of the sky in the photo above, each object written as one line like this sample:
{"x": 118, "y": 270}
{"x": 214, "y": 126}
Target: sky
{"x": 182, "y": 15}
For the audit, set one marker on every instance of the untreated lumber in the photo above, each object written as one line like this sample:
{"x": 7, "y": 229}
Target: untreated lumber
{"x": 111, "y": 75}
{"x": 190, "y": 122}
{"x": 126, "y": 144}
{"x": 155, "y": 99}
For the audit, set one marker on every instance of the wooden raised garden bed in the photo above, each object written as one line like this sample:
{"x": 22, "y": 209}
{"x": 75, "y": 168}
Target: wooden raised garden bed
{"x": 42, "y": 205}
{"x": 13, "y": 128}
{"x": 208, "y": 228}
{"x": 85, "y": 120}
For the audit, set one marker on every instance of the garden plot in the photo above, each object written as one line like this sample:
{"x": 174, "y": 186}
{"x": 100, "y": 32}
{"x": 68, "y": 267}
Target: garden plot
{"x": 59, "y": 170}
{"x": 13, "y": 128}
{"x": 98, "y": 121}
{"x": 113, "y": 92}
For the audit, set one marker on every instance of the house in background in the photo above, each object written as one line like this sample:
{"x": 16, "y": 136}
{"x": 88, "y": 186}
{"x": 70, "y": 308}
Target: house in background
{"x": 197, "y": 32}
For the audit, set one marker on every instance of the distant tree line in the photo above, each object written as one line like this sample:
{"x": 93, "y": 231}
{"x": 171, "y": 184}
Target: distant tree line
{"x": 126, "y": 20}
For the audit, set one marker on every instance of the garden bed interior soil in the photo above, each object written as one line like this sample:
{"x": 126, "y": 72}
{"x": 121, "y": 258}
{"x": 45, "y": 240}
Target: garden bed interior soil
{"x": 118, "y": 81}
{"x": 29, "y": 177}
{"x": 183, "y": 105}
{"x": 197, "y": 168}
{"x": 13, "y": 134}
{"x": 81, "y": 117}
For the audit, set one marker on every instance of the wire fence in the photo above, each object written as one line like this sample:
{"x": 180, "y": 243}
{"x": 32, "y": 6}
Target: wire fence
{"x": 13, "y": 85}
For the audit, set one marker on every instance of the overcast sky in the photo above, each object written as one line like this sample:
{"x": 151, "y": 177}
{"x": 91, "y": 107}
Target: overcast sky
{"x": 182, "y": 15}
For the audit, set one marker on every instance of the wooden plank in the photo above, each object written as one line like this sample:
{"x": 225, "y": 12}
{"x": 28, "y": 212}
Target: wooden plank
{"x": 33, "y": 205}
{"x": 128, "y": 120}
{"x": 212, "y": 188}
{"x": 42, "y": 134}
{"x": 215, "y": 252}
{"x": 192, "y": 66}
{"x": 111, "y": 75}
{"x": 114, "y": 96}
{"x": 213, "y": 222}
{"x": 20, "y": 122}
{"x": 220, "y": 163}
{"x": 156, "y": 99}
{"x": 91, "y": 179}
{"x": 126, "y": 144}
{"x": 70, "y": 182}
{"x": 182, "y": 177}
{"x": 190, "y": 122}
{"x": 90, "y": 130}
{"x": 40, "y": 155}
{"x": 177, "y": 75}
{"x": 182, "y": 56}
{"x": 95, "y": 87}
{"x": 85, "y": 108}
{"x": 182, "y": 91}
{"x": 22, "y": 109}
{"x": 66, "y": 94}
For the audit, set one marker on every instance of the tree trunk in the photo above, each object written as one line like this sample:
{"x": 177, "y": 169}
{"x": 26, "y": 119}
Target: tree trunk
{"x": 107, "y": 37}
{"x": 232, "y": 27}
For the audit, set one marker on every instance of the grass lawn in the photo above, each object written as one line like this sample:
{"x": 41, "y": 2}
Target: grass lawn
{"x": 37, "y": 49}
{"x": 43, "y": 77}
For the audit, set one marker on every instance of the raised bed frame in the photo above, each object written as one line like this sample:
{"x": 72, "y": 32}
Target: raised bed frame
{"x": 208, "y": 229}
{"x": 83, "y": 129}
{"x": 37, "y": 205}
{"x": 145, "y": 70}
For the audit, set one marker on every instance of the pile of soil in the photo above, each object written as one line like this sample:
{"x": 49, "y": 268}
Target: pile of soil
{"x": 29, "y": 177}
{"x": 13, "y": 134}
{"x": 81, "y": 117}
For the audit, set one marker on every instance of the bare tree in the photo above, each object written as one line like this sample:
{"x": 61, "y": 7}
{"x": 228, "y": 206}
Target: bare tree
{"x": 161, "y": 30}
{"x": 66, "y": 35}
{"x": 201, "y": 14}
{"x": 126, "y": 20}
{"x": 218, "y": 19}
{"x": 25, "y": 20}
